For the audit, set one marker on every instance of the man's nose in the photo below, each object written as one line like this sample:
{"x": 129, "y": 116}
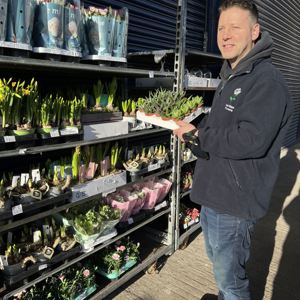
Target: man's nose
{"x": 226, "y": 34}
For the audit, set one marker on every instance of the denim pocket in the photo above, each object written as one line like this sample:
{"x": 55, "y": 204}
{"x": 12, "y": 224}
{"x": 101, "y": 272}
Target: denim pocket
{"x": 246, "y": 243}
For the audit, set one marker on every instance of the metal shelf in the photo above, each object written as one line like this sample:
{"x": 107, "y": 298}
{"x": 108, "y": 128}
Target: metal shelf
{"x": 199, "y": 88}
{"x": 47, "y": 148}
{"x": 188, "y": 161}
{"x": 188, "y": 52}
{"x": 190, "y": 231}
{"x": 31, "y": 64}
{"x": 185, "y": 194}
{"x": 112, "y": 286}
{"x": 58, "y": 209}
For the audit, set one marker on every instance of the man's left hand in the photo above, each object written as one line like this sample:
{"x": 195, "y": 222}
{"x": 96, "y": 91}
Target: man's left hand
{"x": 183, "y": 128}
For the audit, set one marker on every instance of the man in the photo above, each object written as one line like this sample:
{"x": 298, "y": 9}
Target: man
{"x": 243, "y": 136}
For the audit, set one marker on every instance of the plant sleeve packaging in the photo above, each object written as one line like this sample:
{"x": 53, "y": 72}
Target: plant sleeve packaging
{"x": 3, "y": 18}
{"x": 72, "y": 34}
{"x": 100, "y": 30}
{"x": 20, "y": 16}
{"x": 120, "y": 34}
{"x": 48, "y": 28}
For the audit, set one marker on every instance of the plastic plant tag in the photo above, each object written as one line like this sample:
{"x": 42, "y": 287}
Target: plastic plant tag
{"x": 16, "y": 210}
{"x": 15, "y": 181}
{"x": 160, "y": 206}
{"x": 54, "y": 132}
{"x": 3, "y": 262}
{"x": 37, "y": 236}
{"x": 69, "y": 130}
{"x": 24, "y": 178}
{"x": 36, "y": 175}
{"x": 43, "y": 266}
{"x": 9, "y": 139}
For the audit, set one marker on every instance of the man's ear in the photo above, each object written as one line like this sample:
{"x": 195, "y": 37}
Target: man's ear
{"x": 255, "y": 32}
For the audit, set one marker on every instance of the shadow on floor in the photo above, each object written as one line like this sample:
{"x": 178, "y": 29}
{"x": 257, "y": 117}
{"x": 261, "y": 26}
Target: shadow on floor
{"x": 287, "y": 278}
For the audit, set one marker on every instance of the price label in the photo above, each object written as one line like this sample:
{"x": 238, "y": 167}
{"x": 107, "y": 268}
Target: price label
{"x": 24, "y": 178}
{"x": 54, "y": 133}
{"x": 130, "y": 221}
{"x": 69, "y": 131}
{"x": 3, "y": 262}
{"x": 9, "y": 138}
{"x": 160, "y": 206}
{"x": 153, "y": 167}
{"x": 151, "y": 74}
{"x": 15, "y": 181}
{"x": 42, "y": 267}
{"x": 36, "y": 175}
{"x": 16, "y": 210}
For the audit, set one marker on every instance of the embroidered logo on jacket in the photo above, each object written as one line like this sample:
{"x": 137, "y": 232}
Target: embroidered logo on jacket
{"x": 232, "y": 99}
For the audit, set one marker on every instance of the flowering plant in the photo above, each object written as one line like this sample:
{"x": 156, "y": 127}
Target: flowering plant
{"x": 115, "y": 256}
{"x": 70, "y": 283}
{"x": 188, "y": 214}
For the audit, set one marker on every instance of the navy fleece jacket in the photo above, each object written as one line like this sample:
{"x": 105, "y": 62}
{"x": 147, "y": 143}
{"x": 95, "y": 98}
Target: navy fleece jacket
{"x": 243, "y": 135}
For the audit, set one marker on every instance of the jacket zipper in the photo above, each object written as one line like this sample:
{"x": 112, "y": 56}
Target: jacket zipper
{"x": 235, "y": 175}
{"x": 230, "y": 77}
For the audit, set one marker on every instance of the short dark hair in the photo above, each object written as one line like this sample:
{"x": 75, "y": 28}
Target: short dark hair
{"x": 243, "y": 4}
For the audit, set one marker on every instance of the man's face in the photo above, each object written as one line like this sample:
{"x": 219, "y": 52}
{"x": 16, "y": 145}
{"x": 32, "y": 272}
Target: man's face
{"x": 237, "y": 32}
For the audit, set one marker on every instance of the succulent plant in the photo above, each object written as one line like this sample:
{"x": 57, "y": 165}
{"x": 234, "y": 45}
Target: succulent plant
{"x": 169, "y": 104}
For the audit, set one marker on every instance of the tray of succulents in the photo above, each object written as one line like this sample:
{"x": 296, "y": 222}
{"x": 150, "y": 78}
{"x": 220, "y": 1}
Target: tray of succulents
{"x": 164, "y": 108}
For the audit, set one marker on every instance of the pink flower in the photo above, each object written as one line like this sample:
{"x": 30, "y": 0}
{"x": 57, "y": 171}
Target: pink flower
{"x": 61, "y": 277}
{"x": 115, "y": 256}
{"x": 86, "y": 273}
{"x": 121, "y": 248}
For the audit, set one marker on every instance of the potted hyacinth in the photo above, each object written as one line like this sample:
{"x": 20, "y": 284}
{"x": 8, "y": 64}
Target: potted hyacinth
{"x": 102, "y": 108}
{"x": 20, "y": 113}
{"x": 48, "y": 27}
{"x": 49, "y": 115}
{"x": 99, "y": 23}
{"x": 20, "y": 16}
{"x": 120, "y": 34}
{"x": 3, "y": 27}
{"x": 72, "y": 26}
{"x": 116, "y": 259}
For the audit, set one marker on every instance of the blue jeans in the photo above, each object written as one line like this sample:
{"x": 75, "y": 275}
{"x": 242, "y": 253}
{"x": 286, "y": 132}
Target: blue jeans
{"x": 227, "y": 240}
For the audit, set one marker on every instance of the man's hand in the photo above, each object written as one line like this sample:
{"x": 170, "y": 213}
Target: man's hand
{"x": 183, "y": 128}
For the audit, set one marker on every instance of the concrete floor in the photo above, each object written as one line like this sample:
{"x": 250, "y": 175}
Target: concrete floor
{"x": 274, "y": 267}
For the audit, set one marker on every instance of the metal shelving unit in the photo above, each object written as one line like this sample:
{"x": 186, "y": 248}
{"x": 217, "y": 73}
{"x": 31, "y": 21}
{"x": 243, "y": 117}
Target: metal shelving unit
{"x": 96, "y": 249}
{"x": 17, "y": 64}
{"x": 68, "y": 145}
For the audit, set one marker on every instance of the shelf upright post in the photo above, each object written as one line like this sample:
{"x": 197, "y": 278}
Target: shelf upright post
{"x": 179, "y": 69}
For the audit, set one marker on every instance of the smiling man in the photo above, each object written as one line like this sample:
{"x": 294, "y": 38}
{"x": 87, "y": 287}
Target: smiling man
{"x": 242, "y": 137}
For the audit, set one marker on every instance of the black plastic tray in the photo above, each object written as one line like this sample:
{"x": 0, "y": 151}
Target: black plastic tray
{"x": 37, "y": 205}
{"x": 99, "y": 117}
{"x": 10, "y": 276}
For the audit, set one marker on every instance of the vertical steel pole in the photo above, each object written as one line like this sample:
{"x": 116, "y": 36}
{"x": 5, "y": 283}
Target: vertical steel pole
{"x": 179, "y": 70}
